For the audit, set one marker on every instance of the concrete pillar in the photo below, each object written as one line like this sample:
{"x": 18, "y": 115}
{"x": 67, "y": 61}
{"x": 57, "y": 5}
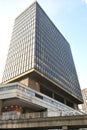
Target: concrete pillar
{"x": 25, "y": 81}
{"x": 53, "y": 95}
{"x": 0, "y": 106}
{"x": 75, "y": 106}
{"x": 64, "y": 101}
{"x": 64, "y": 128}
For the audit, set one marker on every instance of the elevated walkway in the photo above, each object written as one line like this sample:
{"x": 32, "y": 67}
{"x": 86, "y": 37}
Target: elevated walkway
{"x": 64, "y": 122}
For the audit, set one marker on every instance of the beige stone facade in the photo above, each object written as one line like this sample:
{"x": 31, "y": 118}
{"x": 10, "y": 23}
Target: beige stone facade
{"x": 84, "y": 105}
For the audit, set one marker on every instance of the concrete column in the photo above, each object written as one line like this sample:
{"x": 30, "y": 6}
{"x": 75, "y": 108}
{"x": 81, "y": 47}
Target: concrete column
{"x": 53, "y": 95}
{"x": 25, "y": 81}
{"x": 64, "y": 128}
{"x": 75, "y": 106}
{"x": 0, "y": 106}
{"x": 64, "y": 101}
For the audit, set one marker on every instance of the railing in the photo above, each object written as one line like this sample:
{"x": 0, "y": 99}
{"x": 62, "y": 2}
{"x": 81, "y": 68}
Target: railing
{"x": 18, "y": 116}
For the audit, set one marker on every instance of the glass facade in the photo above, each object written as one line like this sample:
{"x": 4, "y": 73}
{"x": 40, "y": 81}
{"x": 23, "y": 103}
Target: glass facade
{"x": 21, "y": 51}
{"x": 37, "y": 43}
{"x": 53, "y": 54}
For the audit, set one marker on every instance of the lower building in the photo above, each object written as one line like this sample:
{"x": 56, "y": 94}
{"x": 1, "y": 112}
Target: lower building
{"x": 18, "y": 99}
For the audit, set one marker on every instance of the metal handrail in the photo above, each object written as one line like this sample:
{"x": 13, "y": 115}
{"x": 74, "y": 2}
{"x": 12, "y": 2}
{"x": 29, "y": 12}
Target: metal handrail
{"x": 18, "y": 116}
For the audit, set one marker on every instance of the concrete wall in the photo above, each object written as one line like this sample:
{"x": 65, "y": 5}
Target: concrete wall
{"x": 31, "y": 83}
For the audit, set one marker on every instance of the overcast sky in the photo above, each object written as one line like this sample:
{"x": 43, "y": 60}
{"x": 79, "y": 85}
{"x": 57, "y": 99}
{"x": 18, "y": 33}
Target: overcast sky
{"x": 70, "y": 17}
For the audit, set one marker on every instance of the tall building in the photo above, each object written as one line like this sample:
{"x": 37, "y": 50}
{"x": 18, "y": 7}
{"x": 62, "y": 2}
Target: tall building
{"x": 84, "y": 105}
{"x": 40, "y": 58}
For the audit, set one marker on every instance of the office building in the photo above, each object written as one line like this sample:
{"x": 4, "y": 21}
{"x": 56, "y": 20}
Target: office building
{"x": 40, "y": 59}
{"x": 84, "y": 105}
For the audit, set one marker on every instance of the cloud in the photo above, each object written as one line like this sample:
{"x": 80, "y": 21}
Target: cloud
{"x": 85, "y": 1}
